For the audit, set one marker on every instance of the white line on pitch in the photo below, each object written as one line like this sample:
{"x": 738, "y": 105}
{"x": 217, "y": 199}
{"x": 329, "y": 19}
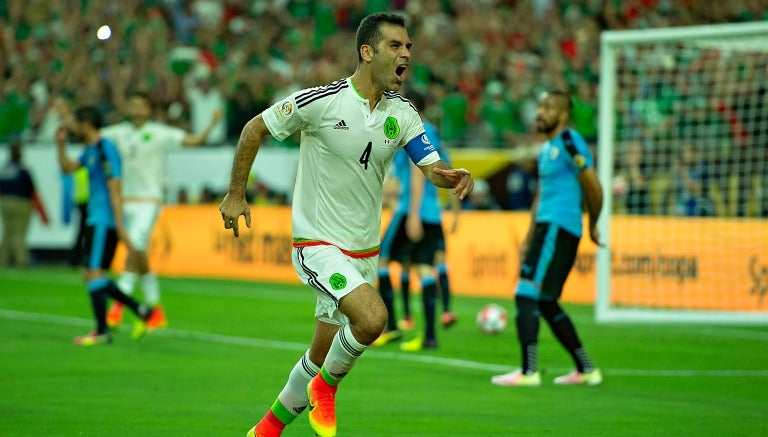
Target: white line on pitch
{"x": 198, "y": 288}
{"x": 420, "y": 358}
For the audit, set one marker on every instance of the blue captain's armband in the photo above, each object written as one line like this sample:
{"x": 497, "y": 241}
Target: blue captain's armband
{"x": 419, "y": 148}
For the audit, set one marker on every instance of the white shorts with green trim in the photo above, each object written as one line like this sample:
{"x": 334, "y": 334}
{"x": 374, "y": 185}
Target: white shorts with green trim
{"x": 332, "y": 275}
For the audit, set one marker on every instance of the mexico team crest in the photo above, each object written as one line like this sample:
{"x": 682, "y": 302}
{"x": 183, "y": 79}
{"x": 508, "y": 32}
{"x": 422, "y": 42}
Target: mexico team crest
{"x": 338, "y": 281}
{"x": 391, "y": 128}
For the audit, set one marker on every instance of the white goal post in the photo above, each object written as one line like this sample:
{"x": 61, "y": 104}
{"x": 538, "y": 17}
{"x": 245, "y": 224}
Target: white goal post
{"x": 682, "y": 157}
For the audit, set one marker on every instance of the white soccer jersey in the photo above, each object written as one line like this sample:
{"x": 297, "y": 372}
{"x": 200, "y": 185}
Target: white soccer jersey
{"x": 142, "y": 151}
{"x": 346, "y": 150}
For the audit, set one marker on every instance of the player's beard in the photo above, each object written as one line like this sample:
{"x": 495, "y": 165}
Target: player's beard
{"x": 543, "y": 127}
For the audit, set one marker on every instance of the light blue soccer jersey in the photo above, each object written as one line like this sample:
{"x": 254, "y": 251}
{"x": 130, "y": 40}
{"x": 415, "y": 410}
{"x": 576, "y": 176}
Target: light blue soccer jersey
{"x": 103, "y": 163}
{"x": 430, "y": 204}
{"x": 561, "y": 159}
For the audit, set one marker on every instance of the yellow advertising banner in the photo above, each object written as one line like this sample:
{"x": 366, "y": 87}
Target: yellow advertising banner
{"x": 701, "y": 263}
{"x": 191, "y": 241}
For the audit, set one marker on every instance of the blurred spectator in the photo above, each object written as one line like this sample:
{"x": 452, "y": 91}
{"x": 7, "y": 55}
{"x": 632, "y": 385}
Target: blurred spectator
{"x": 255, "y": 52}
{"x": 185, "y": 21}
{"x": 17, "y": 200}
{"x": 182, "y": 196}
{"x": 690, "y": 185}
{"x": 205, "y": 99}
{"x": 521, "y": 185}
{"x": 57, "y": 113}
{"x": 637, "y": 174}
{"x": 15, "y": 111}
{"x": 501, "y": 119}
{"x": 584, "y": 112}
{"x": 208, "y": 195}
{"x": 750, "y": 157}
{"x": 242, "y": 106}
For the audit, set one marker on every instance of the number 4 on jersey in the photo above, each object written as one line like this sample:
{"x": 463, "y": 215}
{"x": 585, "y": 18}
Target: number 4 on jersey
{"x": 366, "y": 156}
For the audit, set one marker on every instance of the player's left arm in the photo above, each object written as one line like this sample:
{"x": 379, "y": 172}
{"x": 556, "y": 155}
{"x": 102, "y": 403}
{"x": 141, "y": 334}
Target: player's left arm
{"x": 593, "y": 197}
{"x": 442, "y": 175}
{"x": 199, "y": 138}
{"x": 425, "y": 155}
{"x": 583, "y": 165}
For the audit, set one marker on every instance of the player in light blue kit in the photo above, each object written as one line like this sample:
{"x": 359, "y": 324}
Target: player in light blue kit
{"x": 567, "y": 180}
{"x": 413, "y": 237}
{"x": 104, "y": 224}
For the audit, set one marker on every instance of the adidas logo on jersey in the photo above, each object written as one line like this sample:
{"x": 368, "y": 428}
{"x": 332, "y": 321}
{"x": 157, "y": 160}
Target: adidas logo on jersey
{"x": 341, "y": 125}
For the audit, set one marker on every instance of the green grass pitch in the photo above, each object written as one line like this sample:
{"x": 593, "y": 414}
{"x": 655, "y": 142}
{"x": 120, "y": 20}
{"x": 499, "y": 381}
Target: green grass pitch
{"x": 231, "y": 344}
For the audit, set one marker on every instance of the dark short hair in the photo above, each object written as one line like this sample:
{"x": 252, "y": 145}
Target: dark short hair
{"x": 141, "y": 95}
{"x": 565, "y": 96}
{"x": 89, "y": 114}
{"x": 369, "y": 30}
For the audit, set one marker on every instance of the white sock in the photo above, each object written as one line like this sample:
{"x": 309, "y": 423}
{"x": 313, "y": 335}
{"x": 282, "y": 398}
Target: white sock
{"x": 127, "y": 282}
{"x": 343, "y": 354}
{"x": 294, "y": 394}
{"x": 151, "y": 288}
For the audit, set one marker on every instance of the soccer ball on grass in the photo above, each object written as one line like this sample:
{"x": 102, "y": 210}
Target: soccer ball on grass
{"x": 492, "y": 319}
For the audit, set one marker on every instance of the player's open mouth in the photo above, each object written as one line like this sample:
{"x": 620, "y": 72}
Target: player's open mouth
{"x": 400, "y": 72}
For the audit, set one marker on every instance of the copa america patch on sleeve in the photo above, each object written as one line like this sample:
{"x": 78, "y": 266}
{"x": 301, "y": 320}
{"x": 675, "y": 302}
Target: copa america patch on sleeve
{"x": 579, "y": 161}
{"x": 283, "y": 110}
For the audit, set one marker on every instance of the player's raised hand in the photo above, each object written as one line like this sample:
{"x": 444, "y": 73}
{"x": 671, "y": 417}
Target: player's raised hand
{"x": 61, "y": 134}
{"x": 460, "y": 178}
{"x": 231, "y": 209}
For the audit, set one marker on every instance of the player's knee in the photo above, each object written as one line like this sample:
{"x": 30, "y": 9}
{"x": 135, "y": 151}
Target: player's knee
{"x": 425, "y": 272}
{"x": 368, "y": 324}
{"x": 526, "y": 306}
{"x": 366, "y": 331}
{"x": 550, "y": 309}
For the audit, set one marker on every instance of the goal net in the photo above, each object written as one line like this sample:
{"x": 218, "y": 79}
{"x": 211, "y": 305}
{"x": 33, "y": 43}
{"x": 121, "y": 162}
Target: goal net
{"x": 683, "y": 159}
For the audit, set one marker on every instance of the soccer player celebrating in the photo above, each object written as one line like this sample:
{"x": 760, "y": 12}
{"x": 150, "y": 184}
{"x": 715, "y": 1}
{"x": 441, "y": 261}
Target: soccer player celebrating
{"x": 142, "y": 144}
{"x": 351, "y": 130}
{"x": 567, "y": 177}
{"x": 104, "y": 224}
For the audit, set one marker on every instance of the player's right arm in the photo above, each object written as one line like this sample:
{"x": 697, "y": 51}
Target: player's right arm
{"x": 67, "y": 164}
{"x": 234, "y": 204}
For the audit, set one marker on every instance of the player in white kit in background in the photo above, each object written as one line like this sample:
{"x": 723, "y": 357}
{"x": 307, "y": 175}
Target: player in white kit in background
{"x": 142, "y": 144}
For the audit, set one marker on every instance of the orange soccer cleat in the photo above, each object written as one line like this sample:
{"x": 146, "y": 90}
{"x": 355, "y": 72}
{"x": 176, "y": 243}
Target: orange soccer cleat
{"x": 322, "y": 406}
{"x": 157, "y": 319}
{"x": 115, "y": 315}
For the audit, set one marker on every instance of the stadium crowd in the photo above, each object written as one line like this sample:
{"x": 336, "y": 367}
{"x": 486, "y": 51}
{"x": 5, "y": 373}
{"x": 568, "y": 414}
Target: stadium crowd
{"x": 482, "y": 63}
